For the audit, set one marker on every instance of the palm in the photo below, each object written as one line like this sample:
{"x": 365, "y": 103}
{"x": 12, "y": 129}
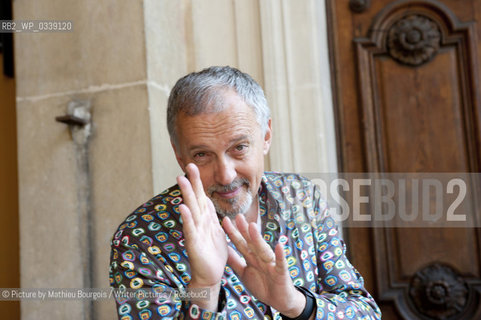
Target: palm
{"x": 205, "y": 240}
{"x": 264, "y": 272}
{"x": 207, "y": 249}
{"x": 264, "y": 288}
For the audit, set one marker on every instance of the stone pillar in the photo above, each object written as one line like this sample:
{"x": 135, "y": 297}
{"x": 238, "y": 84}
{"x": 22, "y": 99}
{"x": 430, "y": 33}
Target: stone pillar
{"x": 102, "y": 61}
{"x": 298, "y": 87}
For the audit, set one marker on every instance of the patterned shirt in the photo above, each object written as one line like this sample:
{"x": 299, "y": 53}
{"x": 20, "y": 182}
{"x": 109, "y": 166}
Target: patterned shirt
{"x": 148, "y": 253}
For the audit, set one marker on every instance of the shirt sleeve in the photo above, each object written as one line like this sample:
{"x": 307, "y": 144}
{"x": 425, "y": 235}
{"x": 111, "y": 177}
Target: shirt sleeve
{"x": 145, "y": 285}
{"x": 341, "y": 292}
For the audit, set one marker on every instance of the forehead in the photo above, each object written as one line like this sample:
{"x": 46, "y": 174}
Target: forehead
{"x": 233, "y": 118}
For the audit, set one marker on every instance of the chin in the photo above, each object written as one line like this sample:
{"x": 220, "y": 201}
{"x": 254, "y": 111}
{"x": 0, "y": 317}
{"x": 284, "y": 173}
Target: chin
{"x": 232, "y": 207}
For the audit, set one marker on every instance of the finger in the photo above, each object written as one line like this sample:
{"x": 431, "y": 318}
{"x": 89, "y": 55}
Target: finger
{"x": 227, "y": 225}
{"x": 236, "y": 262}
{"x": 281, "y": 263}
{"x": 205, "y": 204}
{"x": 259, "y": 246}
{"x": 188, "y": 226}
{"x": 234, "y": 235}
{"x": 243, "y": 227}
{"x": 194, "y": 177}
{"x": 213, "y": 213}
{"x": 189, "y": 197}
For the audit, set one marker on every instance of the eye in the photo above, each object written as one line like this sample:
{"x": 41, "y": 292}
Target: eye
{"x": 202, "y": 157}
{"x": 241, "y": 148}
{"x": 199, "y": 155}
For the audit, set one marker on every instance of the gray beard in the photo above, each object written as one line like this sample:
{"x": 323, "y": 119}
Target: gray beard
{"x": 237, "y": 206}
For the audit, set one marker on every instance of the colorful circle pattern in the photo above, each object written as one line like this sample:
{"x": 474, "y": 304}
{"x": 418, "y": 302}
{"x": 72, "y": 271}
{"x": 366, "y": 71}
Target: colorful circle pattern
{"x": 148, "y": 254}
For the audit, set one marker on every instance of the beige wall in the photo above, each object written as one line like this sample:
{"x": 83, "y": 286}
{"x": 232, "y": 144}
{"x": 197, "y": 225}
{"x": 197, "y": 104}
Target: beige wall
{"x": 124, "y": 56}
{"x": 103, "y": 60}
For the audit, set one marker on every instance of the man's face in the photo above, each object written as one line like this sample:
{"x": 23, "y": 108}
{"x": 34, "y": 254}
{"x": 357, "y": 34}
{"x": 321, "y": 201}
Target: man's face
{"x": 228, "y": 147}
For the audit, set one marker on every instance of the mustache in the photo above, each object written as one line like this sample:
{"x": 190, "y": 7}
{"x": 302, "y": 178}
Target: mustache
{"x": 229, "y": 187}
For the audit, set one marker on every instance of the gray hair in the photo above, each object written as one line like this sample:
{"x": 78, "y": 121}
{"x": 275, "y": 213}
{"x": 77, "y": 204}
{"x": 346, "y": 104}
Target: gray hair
{"x": 198, "y": 92}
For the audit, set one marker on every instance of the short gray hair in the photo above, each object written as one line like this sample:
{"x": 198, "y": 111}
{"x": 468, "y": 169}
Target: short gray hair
{"x": 196, "y": 92}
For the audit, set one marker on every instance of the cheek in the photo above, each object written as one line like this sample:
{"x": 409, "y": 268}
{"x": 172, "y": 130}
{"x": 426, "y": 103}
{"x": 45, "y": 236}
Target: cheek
{"x": 254, "y": 170}
{"x": 206, "y": 177}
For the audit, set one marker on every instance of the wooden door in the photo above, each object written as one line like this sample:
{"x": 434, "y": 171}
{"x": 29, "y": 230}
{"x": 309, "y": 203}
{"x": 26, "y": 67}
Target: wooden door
{"x": 406, "y": 83}
{"x": 9, "y": 229}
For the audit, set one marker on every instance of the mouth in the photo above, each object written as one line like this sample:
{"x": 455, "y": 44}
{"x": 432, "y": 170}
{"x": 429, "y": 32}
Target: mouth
{"x": 229, "y": 194}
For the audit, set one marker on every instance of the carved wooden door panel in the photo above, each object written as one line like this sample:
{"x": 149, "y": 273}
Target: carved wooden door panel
{"x": 406, "y": 83}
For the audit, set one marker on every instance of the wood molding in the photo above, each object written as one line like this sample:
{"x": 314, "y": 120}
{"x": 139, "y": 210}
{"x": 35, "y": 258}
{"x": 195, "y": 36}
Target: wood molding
{"x": 455, "y": 36}
{"x": 406, "y": 94}
{"x": 445, "y": 33}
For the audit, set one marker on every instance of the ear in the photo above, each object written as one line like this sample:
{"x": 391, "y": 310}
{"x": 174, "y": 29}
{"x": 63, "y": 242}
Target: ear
{"x": 268, "y": 138}
{"x": 181, "y": 163}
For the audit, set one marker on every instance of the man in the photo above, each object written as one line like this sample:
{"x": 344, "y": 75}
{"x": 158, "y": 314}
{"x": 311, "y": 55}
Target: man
{"x": 282, "y": 257}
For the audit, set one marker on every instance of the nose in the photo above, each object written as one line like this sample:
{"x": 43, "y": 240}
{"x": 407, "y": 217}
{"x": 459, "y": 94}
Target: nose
{"x": 225, "y": 172}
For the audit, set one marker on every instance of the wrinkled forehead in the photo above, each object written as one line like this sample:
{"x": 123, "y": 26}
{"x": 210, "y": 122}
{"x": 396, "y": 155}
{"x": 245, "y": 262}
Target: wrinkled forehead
{"x": 227, "y": 111}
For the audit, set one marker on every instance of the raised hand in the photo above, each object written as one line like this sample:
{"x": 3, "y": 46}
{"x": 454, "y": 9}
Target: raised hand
{"x": 263, "y": 272}
{"x": 205, "y": 240}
